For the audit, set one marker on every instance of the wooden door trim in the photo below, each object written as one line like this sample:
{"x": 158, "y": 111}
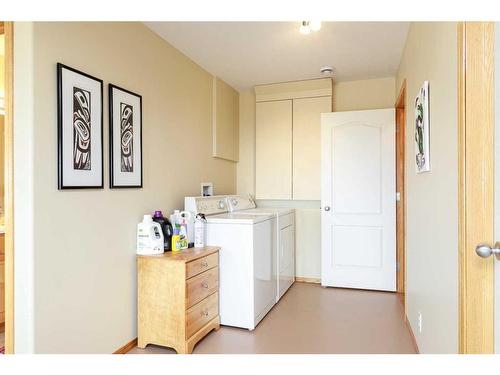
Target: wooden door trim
{"x": 127, "y": 347}
{"x": 475, "y": 185}
{"x": 400, "y": 177}
{"x": 8, "y": 28}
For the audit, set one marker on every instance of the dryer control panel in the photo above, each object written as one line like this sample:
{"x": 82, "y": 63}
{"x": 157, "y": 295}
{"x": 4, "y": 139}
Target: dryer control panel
{"x": 238, "y": 203}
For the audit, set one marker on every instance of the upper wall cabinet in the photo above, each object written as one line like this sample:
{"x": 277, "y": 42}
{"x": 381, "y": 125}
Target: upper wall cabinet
{"x": 307, "y": 146}
{"x": 273, "y": 150}
{"x": 225, "y": 121}
{"x": 288, "y": 142}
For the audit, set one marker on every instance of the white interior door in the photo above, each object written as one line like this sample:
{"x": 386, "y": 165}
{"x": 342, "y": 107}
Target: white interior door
{"x": 358, "y": 200}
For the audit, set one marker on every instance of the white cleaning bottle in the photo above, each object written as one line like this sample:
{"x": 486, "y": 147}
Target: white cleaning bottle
{"x": 149, "y": 237}
{"x": 175, "y": 218}
{"x": 199, "y": 230}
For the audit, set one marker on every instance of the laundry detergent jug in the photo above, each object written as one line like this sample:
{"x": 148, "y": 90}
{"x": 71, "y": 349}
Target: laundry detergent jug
{"x": 167, "y": 229}
{"x": 149, "y": 237}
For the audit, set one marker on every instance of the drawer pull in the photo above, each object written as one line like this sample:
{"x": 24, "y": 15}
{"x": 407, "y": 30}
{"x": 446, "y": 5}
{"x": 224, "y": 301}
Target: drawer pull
{"x": 204, "y": 312}
{"x": 204, "y": 284}
{"x": 204, "y": 264}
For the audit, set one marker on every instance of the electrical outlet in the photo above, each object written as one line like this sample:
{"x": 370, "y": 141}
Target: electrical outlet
{"x": 420, "y": 322}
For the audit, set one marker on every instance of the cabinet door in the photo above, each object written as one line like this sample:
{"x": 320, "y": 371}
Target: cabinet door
{"x": 273, "y": 150}
{"x": 307, "y": 146}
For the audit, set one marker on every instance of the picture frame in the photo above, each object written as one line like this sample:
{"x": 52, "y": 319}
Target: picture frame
{"x": 422, "y": 132}
{"x": 79, "y": 129}
{"x": 125, "y": 138}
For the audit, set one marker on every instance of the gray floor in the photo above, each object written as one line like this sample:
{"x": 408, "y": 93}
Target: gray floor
{"x": 312, "y": 319}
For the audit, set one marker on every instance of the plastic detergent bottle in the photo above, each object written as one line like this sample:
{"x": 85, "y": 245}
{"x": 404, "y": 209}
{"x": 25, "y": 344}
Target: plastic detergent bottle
{"x": 199, "y": 230}
{"x": 183, "y": 236}
{"x": 176, "y": 243}
{"x": 179, "y": 240}
{"x": 149, "y": 237}
{"x": 175, "y": 217}
{"x": 166, "y": 229}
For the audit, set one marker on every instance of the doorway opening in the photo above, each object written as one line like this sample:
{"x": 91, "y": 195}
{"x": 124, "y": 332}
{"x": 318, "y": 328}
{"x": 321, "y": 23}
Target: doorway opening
{"x": 400, "y": 194}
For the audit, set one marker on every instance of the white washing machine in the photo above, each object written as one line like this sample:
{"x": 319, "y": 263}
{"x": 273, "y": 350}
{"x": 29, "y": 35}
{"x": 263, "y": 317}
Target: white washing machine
{"x": 247, "y": 260}
{"x": 285, "y": 237}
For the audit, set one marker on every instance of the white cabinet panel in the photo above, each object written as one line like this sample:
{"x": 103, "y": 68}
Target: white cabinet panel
{"x": 273, "y": 150}
{"x": 307, "y": 146}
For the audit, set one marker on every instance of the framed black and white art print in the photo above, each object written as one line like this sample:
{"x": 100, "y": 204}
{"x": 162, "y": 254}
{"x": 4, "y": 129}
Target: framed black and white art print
{"x": 125, "y": 138}
{"x": 79, "y": 117}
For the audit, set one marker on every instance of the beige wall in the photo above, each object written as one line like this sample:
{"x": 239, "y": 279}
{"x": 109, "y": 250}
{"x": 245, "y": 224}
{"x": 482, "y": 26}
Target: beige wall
{"x": 431, "y": 198}
{"x": 347, "y": 96}
{"x": 365, "y": 94}
{"x": 225, "y": 120}
{"x": 84, "y": 240}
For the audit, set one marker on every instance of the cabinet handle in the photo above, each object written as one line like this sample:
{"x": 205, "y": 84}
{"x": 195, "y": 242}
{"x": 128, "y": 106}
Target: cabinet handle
{"x": 204, "y": 284}
{"x": 204, "y": 312}
{"x": 204, "y": 263}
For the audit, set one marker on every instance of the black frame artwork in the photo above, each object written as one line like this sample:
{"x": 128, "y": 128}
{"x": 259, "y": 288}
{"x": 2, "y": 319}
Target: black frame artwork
{"x": 83, "y": 128}
{"x": 128, "y": 132}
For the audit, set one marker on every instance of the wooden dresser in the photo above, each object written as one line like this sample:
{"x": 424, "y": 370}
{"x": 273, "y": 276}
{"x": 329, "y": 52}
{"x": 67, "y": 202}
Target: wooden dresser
{"x": 178, "y": 297}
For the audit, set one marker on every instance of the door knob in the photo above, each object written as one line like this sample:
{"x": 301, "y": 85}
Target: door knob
{"x": 484, "y": 250}
{"x": 327, "y": 208}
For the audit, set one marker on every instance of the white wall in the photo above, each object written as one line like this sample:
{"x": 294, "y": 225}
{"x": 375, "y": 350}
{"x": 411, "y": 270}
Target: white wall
{"x": 24, "y": 129}
{"x": 432, "y": 198}
{"x": 79, "y": 252}
{"x": 347, "y": 96}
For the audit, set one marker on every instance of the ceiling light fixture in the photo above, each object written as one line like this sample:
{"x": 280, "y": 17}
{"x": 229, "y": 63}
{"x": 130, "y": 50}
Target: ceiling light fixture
{"x": 315, "y": 25}
{"x": 326, "y": 71}
{"x": 307, "y": 26}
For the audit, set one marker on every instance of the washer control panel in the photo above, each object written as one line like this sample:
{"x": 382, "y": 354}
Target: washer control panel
{"x": 216, "y": 204}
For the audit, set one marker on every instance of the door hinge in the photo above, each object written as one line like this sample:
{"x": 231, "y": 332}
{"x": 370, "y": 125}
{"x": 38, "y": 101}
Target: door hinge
{"x": 398, "y": 196}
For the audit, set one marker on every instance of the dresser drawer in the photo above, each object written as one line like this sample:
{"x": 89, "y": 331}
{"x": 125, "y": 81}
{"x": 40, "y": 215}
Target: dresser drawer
{"x": 201, "y": 265}
{"x": 201, "y": 313}
{"x": 201, "y": 286}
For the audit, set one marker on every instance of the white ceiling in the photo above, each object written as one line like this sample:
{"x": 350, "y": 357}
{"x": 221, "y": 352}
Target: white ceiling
{"x": 248, "y": 53}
